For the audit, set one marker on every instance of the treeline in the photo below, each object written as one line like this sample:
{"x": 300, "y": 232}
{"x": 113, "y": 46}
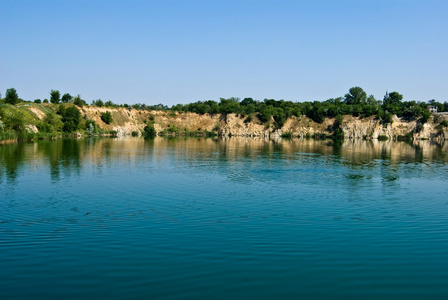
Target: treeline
{"x": 11, "y": 97}
{"x": 64, "y": 117}
{"x": 355, "y": 103}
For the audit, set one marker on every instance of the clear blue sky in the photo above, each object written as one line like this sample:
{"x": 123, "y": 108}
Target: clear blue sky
{"x": 170, "y": 52}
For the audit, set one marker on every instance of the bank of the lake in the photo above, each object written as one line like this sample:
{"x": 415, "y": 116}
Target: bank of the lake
{"x": 45, "y": 121}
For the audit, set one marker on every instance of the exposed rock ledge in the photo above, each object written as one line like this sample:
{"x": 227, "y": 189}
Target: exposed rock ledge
{"x": 127, "y": 121}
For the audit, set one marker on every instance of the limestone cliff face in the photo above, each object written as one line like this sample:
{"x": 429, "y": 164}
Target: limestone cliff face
{"x": 353, "y": 128}
{"x": 125, "y": 121}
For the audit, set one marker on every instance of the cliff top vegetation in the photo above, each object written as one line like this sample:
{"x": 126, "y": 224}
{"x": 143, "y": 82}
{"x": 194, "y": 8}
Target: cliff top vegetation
{"x": 62, "y": 117}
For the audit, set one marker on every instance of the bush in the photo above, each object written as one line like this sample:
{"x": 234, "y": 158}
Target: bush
{"x": 338, "y": 134}
{"x": 286, "y": 135}
{"x": 210, "y": 134}
{"x": 98, "y": 103}
{"x": 172, "y": 128}
{"x": 91, "y": 127}
{"x": 149, "y": 131}
{"x": 386, "y": 118}
{"x": 382, "y": 138}
{"x": 51, "y": 123}
{"x": 444, "y": 123}
{"x": 249, "y": 118}
{"x": 106, "y": 117}
{"x": 8, "y": 135}
{"x": 426, "y": 115}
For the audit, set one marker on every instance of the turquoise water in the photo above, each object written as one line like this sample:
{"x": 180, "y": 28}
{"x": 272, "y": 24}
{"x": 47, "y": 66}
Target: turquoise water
{"x": 223, "y": 219}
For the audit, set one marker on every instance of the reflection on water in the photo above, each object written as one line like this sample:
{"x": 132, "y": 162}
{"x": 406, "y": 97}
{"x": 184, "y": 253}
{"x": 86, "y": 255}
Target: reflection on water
{"x": 223, "y": 219}
{"x": 67, "y": 157}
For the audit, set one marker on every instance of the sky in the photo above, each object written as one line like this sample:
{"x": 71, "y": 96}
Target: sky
{"x": 170, "y": 52}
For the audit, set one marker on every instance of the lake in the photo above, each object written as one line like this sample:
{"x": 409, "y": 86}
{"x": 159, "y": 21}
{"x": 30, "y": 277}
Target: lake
{"x": 235, "y": 218}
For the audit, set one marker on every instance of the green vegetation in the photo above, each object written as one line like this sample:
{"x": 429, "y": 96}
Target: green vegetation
{"x": 286, "y": 135}
{"x": 338, "y": 133}
{"x": 149, "y": 131}
{"x": 78, "y": 101}
{"x": 63, "y": 116}
{"x": 355, "y": 103}
{"x": 66, "y": 98}
{"x": 14, "y": 122}
{"x": 55, "y": 96}
{"x": 11, "y": 96}
{"x": 71, "y": 117}
{"x": 444, "y": 123}
{"x": 98, "y": 103}
{"x": 92, "y": 128}
{"x": 106, "y": 117}
{"x": 50, "y": 124}
{"x": 406, "y": 138}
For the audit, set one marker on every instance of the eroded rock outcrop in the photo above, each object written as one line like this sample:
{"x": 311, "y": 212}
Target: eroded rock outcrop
{"x": 127, "y": 121}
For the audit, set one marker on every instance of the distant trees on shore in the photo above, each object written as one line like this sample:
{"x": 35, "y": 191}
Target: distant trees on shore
{"x": 66, "y": 118}
{"x": 355, "y": 103}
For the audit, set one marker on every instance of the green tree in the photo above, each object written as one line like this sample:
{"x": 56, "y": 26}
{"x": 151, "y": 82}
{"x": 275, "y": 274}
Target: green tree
{"x": 109, "y": 103}
{"x": 11, "y": 96}
{"x": 279, "y": 117}
{"x": 249, "y": 108}
{"x": 66, "y": 98}
{"x": 393, "y": 98}
{"x": 228, "y": 106}
{"x": 247, "y": 101}
{"x": 71, "y": 117}
{"x": 392, "y": 103}
{"x": 98, "y": 103}
{"x": 265, "y": 112}
{"x": 78, "y": 101}
{"x": 316, "y": 113}
{"x": 55, "y": 96}
{"x": 356, "y": 95}
{"x": 371, "y": 100}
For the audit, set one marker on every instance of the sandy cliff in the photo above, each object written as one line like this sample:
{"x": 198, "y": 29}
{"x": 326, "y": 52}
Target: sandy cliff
{"x": 126, "y": 121}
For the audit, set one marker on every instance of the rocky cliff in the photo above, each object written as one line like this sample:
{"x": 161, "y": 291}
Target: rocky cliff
{"x": 125, "y": 121}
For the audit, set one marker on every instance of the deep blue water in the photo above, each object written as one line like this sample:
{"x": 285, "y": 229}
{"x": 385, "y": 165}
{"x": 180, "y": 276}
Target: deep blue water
{"x": 223, "y": 219}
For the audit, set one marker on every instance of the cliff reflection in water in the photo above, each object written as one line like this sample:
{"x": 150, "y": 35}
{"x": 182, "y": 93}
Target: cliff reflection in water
{"x": 70, "y": 157}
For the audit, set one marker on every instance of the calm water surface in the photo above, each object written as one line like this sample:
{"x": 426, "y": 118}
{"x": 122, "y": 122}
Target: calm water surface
{"x": 223, "y": 219}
